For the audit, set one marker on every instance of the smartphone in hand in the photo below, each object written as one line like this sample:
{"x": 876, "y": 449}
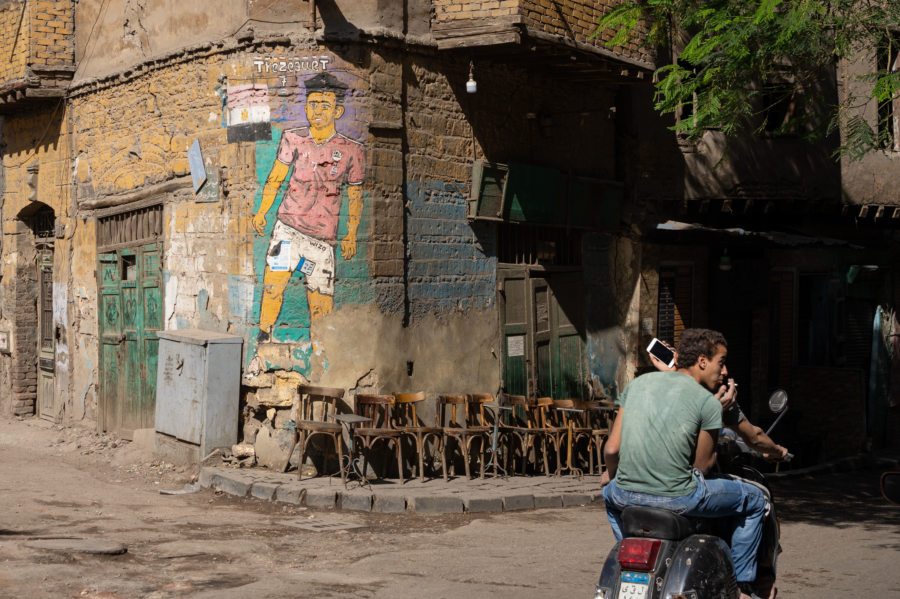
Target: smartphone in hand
{"x": 661, "y": 352}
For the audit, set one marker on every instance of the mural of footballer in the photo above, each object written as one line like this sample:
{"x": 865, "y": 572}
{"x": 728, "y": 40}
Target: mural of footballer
{"x": 322, "y": 163}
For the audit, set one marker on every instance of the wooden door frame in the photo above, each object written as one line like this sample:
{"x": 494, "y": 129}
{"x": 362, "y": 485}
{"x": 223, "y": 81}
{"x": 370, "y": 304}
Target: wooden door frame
{"x": 43, "y": 249}
{"x": 131, "y": 227}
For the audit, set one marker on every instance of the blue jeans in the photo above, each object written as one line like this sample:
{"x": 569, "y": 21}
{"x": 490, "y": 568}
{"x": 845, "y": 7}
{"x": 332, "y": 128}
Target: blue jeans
{"x": 744, "y": 503}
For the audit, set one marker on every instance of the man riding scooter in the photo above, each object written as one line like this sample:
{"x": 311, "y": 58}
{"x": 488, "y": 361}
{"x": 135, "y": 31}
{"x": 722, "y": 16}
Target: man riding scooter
{"x": 664, "y": 443}
{"x": 734, "y": 418}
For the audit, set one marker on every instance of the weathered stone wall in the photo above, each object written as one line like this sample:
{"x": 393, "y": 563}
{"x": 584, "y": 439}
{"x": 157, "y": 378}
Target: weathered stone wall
{"x": 613, "y": 302}
{"x": 35, "y": 34}
{"x": 761, "y": 169}
{"x": 134, "y": 134}
{"x": 413, "y": 308}
{"x": 36, "y": 171}
{"x": 127, "y": 32}
{"x": 454, "y": 10}
{"x": 409, "y": 301}
{"x": 22, "y": 315}
{"x": 575, "y": 20}
{"x": 52, "y": 28}
{"x": 874, "y": 178}
{"x": 15, "y": 28}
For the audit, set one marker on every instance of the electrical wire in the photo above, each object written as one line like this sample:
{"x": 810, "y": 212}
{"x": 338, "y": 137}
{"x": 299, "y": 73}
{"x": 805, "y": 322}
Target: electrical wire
{"x": 87, "y": 44}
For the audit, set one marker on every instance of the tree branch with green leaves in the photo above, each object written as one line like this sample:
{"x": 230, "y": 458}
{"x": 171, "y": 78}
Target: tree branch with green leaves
{"x": 732, "y": 62}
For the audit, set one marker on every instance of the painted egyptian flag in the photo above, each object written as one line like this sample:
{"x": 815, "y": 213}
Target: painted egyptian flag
{"x": 248, "y": 112}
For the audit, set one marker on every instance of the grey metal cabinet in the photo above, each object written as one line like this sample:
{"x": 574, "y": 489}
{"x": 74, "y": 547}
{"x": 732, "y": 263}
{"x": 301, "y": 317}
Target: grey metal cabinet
{"x": 197, "y": 391}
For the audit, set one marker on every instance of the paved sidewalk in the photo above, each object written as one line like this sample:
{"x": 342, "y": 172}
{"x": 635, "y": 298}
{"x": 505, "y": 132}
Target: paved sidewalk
{"x": 434, "y": 496}
{"x": 458, "y": 495}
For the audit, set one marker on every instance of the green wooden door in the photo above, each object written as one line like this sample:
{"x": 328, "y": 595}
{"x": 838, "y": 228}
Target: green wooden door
{"x": 568, "y": 357}
{"x": 130, "y": 316}
{"x": 132, "y": 323}
{"x": 542, "y": 338}
{"x": 150, "y": 273}
{"x": 515, "y": 338}
{"x": 543, "y": 334}
{"x": 47, "y": 407}
{"x": 110, "y": 324}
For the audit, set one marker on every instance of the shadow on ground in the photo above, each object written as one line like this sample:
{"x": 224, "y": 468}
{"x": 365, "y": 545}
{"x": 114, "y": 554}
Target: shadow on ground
{"x": 841, "y": 499}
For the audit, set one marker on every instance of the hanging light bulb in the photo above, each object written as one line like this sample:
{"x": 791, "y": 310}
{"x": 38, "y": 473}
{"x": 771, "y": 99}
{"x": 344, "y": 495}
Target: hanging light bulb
{"x": 725, "y": 261}
{"x": 471, "y": 84}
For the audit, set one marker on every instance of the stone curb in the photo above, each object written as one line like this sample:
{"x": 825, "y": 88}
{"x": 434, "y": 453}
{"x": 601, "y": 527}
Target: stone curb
{"x": 512, "y": 495}
{"x": 389, "y": 504}
{"x": 475, "y": 505}
{"x": 473, "y": 499}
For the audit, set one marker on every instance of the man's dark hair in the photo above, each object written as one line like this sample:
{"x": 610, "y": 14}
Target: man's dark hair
{"x": 695, "y": 343}
{"x": 326, "y": 82}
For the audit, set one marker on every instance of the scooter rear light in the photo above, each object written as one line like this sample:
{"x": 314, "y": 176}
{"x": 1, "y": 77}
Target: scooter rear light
{"x": 638, "y": 554}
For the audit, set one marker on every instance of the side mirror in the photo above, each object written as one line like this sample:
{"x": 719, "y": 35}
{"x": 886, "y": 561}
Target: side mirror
{"x": 778, "y": 401}
{"x": 778, "y": 405}
{"x": 890, "y": 486}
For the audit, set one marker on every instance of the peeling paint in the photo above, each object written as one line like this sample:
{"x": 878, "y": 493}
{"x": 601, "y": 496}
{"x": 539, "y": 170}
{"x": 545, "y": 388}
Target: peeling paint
{"x": 170, "y": 295}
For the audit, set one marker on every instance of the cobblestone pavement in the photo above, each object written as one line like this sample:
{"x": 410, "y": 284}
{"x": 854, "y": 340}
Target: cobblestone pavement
{"x": 434, "y": 496}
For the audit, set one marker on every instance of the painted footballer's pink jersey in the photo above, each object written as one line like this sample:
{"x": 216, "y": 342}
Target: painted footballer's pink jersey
{"x": 313, "y": 199}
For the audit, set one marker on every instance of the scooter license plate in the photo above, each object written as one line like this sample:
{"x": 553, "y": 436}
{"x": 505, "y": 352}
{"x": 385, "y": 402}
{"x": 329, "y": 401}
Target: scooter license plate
{"x": 634, "y": 585}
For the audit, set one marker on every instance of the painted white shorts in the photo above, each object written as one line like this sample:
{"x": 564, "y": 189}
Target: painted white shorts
{"x": 291, "y": 250}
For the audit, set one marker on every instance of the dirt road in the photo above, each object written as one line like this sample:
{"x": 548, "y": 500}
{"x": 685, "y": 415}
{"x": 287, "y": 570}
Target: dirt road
{"x": 84, "y": 491}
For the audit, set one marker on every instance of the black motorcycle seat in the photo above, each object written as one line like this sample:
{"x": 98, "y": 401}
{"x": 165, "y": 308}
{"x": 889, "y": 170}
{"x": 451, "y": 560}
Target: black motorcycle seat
{"x": 642, "y": 521}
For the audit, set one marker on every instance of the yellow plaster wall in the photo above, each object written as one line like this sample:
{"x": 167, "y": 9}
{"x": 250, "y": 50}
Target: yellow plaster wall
{"x": 83, "y": 334}
{"x": 39, "y": 139}
{"x": 138, "y": 133}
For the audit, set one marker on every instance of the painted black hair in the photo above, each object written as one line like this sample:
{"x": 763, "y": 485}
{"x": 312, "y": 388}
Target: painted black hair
{"x": 326, "y": 82}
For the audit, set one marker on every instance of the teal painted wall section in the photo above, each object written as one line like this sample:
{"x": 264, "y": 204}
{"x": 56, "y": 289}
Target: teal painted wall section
{"x": 452, "y": 262}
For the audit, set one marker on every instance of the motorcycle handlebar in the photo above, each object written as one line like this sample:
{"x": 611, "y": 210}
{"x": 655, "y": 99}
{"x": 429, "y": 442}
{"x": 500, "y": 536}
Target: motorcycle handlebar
{"x": 750, "y": 451}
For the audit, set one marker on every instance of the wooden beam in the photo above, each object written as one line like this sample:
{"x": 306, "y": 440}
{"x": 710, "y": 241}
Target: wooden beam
{"x": 45, "y": 92}
{"x": 473, "y": 41}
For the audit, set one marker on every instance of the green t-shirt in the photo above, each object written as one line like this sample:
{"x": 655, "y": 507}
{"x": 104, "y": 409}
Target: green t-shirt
{"x": 664, "y": 413}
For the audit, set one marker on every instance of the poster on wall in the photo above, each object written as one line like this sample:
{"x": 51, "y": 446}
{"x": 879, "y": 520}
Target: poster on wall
{"x": 515, "y": 346}
{"x": 281, "y": 261}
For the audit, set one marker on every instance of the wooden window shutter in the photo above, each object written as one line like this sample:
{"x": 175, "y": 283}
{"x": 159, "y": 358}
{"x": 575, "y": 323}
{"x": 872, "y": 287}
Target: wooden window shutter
{"x": 675, "y": 302}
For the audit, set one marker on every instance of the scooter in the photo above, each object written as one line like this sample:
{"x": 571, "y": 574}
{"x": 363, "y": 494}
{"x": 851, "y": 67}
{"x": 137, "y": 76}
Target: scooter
{"x": 664, "y": 555}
